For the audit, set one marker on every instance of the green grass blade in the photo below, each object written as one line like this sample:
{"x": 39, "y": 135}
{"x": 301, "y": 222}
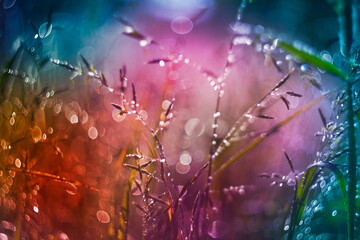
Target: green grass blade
{"x": 313, "y": 60}
{"x": 342, "y": 184}
{"x": 302, "y": 192}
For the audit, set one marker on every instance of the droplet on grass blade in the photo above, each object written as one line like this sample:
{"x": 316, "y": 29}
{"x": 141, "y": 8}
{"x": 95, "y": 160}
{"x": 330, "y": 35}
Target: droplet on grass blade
{"x": 45, "y": 30}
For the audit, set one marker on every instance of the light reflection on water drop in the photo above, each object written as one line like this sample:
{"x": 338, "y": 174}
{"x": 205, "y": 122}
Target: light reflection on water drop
{"x": 93, "y": 133}
{"x": 185, "y": 158}
{"x": 71, "y": 188}
{"x": 182, "y": 169}
{"x": 194, "y": 127}
{"x": 165, "y": 104}
{"x": 63, "y": 236}
{"x": 181, "y": 25}
{"x": 74, "y": 119}
{"x": 218, "y": 229}
{"x": 36, "y": 134}
{"x": 18, "y": 163}
{"x": 45, "y": 30}
{"x": 334, "y": 213}
{"x": 102, "y": 216}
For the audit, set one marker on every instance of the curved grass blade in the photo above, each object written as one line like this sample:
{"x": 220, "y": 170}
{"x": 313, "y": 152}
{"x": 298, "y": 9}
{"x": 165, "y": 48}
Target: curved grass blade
{"x": 313, "y": 60}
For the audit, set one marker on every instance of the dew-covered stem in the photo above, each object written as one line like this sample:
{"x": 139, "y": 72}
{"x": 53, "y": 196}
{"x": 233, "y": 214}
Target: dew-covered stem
{"x": 351, "y": 162}
{"x": 262, "y": 137}
{"x": 214, "y": 136}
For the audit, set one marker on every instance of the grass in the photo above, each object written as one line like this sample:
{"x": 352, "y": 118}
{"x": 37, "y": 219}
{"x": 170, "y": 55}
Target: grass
{"x": 38, "y": 166}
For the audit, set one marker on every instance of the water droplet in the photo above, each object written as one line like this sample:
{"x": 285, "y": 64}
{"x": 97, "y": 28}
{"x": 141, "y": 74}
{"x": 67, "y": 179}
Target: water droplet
{"x": 182, "y": 169}
{"x": 161, "y": 63}
{"x": 300, "y": 236}
{"x": 181, "y": 25}
{"x": 8, "y": 3}
{"x": 334, "y": 213}
{"x": 194, "y": 127}
{"x": 45, "y": 30}
{"x": 74, "y": 119}
{"x": 322, "y": 184}
{"x": 102, "y": 216}
{"x": 304, "y": 68}
{"x": 93, "y": 133}
{"x": 218, "y": 229}
{"x": 36, "y": 134}
{"x": 36, "y": 209}
{"x": 71, "y": 188}
{"x": 12, "y": 121}
{"x": 143, "y": 114}
{"x": 144, "y": 42}
{"x": 185, "y": 158}
{"x": 307, "y": 230}
{"x": 18, "y": 163}
{"x": 63, "y": 236}
{"x": 165, "y": 104}
{"x": 242, "y": 40}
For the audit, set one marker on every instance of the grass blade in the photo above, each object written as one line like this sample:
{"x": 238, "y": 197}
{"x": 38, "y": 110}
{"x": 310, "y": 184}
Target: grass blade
{"x": 313, "y": 60}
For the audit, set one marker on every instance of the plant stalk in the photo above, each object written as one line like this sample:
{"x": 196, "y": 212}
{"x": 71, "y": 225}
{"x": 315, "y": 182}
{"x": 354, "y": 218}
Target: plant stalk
{"x": 346, "y": 29}
{"x": 351, "y": 162}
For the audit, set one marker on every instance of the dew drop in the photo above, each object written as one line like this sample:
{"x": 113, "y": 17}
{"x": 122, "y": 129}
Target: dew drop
{"x": 12, "y": 121}
{"x": 182, "y": 169}
{"x": 36, "y": 209}
{"x": 63, "y": 236}
{"x": 36, "y": 134}
{"x": 304, "y": 68}
{"x": 93, "y": 133}
{"x": 194, "y": 127}
{"x": 185, "y": 158}
{"x": 143, "y": 114}
{"x": 334, "y": 213}
{"x": 102, "y": 216}
{"x": 74, "y": 119}
{"x": 161, "y": 63}
{"x": 18, "y": 163}
{"x": 181, "y": 25}
{"x": 71, "y": 188}
{"x": 165, "y": 104}
{"x": 45, "y": 30}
